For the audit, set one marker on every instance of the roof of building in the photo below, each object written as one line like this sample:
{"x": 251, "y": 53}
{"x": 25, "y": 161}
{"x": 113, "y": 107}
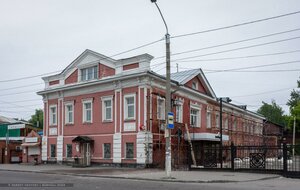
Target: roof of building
{"x": 183, "y": 76}
{"x": 7, "y": 120}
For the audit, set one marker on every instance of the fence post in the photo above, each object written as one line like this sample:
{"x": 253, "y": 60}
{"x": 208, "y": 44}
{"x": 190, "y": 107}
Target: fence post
{"x": 285, "y": 158}
{"x": 233, "y": 154}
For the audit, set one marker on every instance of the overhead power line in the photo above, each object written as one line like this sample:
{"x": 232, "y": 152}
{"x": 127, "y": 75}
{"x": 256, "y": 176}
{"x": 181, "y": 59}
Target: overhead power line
{"x": 243, "y": 57}
{"x": 266, "y": 92}
{"x": 236, "y": 49}
{"x": 237, "y": 25}
{"x": 49, "y": 73}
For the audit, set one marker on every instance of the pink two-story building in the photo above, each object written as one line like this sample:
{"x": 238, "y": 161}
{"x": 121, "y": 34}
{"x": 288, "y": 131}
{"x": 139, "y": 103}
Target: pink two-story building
{"x": 107, "y": 111}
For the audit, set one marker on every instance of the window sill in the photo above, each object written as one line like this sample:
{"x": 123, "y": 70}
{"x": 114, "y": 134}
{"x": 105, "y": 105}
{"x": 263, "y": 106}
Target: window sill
{"x": 69, "y": 124}
{"x": 107, "y": 121}
{"x": 87, "y": 123}
{"x": 53, "y": 125}
{"x": 129, "y": 120}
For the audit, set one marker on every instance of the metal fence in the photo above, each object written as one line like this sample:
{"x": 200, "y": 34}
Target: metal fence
{"x": 283, "y": 159}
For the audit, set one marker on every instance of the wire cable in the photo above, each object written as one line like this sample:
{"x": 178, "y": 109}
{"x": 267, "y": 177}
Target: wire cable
{"x": 236, "y": 25}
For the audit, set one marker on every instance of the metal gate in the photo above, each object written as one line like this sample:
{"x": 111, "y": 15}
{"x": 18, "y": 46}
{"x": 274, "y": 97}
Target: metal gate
{"x": 283, "y": 159}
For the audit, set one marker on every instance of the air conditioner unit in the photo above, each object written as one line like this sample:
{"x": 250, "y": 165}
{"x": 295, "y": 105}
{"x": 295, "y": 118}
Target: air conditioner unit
{"x": 18, "y": 148}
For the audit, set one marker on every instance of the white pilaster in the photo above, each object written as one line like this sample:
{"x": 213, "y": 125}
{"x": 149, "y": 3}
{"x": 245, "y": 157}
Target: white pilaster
{"x": 117, "y": 145}
{"x": 144, "y": 142}
{"x": 44, "y": 148}
{"x": 60, "y": 142}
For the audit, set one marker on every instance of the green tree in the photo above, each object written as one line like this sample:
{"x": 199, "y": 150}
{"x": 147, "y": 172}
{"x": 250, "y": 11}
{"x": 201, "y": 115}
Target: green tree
{"x": 37, "y": 118}
{"x": 272, "y": 112}
{"x": 295, "y": 97}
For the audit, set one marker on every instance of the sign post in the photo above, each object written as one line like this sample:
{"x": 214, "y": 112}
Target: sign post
{"x": 170, "y": 120}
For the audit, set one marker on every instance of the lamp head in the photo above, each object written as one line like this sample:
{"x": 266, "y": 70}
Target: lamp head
{"x": 153, "y": 1}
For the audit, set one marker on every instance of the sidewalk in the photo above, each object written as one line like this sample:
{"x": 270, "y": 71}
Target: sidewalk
{"x": 141, "y": 174}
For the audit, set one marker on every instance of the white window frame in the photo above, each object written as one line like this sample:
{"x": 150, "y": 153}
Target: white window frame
{"x": 94, "y": 73}
{"x": 226, "y": 123}
{"x": 126, "y": 107}
{"x": 217, "y": 121}
{"x": 161, "y": 114}
{"x": 179, "y": 112}
{"x": 234, "y": 124}
{"x": 103, "y": 100}
{"x": 51, "y": 123}
{"x": 195, "y": 85}
{"x": 198, "y": 109}
{"x": 208, "y": 119}
{"x": 67, "y": 118}
{"x": 84, "y": 110}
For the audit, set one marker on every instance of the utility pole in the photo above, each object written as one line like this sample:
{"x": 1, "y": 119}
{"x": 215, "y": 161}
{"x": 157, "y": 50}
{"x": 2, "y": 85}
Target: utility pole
{"x": 294, "y": 135}
{"x": 168, "y": 97}
{"x": 226, "y": 99}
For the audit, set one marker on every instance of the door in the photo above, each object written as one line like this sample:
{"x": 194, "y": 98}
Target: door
{"x": 88, "y": 154}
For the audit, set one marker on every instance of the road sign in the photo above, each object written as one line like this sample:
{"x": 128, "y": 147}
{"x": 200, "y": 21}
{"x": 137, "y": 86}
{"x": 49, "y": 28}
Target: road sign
{"x": 170, "y": 120}
{"x": 16, "y": 126}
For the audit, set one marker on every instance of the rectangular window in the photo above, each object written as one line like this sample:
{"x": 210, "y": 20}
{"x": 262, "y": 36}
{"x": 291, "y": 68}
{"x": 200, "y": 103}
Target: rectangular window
{"x": 208, "y": 120}
{"x": 69, "y": 114}
{"x": 226, "y": 123}
{"x": 69, "y": 151}
{"x": 161, "y": 109}
{"x": 234, "y": 128}
{"x": 87, "y": 111}
{"x": 89, "y": 73}
{"x": 217, "y": 121}
{"x": 179, "y": 113}
{"x": 107, "y": 108}
{"x": 129, "y": 150}
{"x": 53, "y": 115}
{"x": 195, "y": 120}
{"x": 106, "y": 150}
{"x": 129, "y": 106}
{"x": 52, "y": 151}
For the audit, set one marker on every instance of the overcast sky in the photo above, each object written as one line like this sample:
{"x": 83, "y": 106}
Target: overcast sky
{"x": 44, "y": 36}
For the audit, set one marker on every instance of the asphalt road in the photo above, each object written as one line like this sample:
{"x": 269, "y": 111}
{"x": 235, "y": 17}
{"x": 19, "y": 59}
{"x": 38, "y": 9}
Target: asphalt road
{"x": 28, "y": 180}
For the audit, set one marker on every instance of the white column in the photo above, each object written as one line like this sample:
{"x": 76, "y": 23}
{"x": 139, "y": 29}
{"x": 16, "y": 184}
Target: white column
{"x": 117, "y": 145}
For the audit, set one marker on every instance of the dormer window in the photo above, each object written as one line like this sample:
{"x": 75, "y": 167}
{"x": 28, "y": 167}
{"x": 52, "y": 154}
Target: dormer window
{"x": 89, "y": 73}
{"x": 195, "y": 85}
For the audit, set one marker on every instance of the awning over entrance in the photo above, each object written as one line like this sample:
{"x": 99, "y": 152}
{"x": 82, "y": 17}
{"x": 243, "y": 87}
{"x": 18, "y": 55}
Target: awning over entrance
{"x": 83, "y": 139}
{"x": 30, "y": 144}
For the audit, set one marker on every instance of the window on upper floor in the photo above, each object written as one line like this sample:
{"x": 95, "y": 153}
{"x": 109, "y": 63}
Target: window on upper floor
{"x": 195, "y": 117}
{"x": 208, "y": 119}
{"x": 161, "y": 108}
{"x": 129, "y": 107}
{"x": 87, "y": 111}
{"x": 53, "y": 115}
{"x": 195, "y": 85}
{"x": 217, "y": 121}
{"x": 179, "y": 113}
{"x": 234, "y": 127}
{"x": 69, "y": 113}
{"x": 107, "y": 109}
{"x": 89, "y": 73}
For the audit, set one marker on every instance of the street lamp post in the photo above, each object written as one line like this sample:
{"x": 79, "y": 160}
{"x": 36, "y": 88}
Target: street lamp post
{"x": 168, "y": 97}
